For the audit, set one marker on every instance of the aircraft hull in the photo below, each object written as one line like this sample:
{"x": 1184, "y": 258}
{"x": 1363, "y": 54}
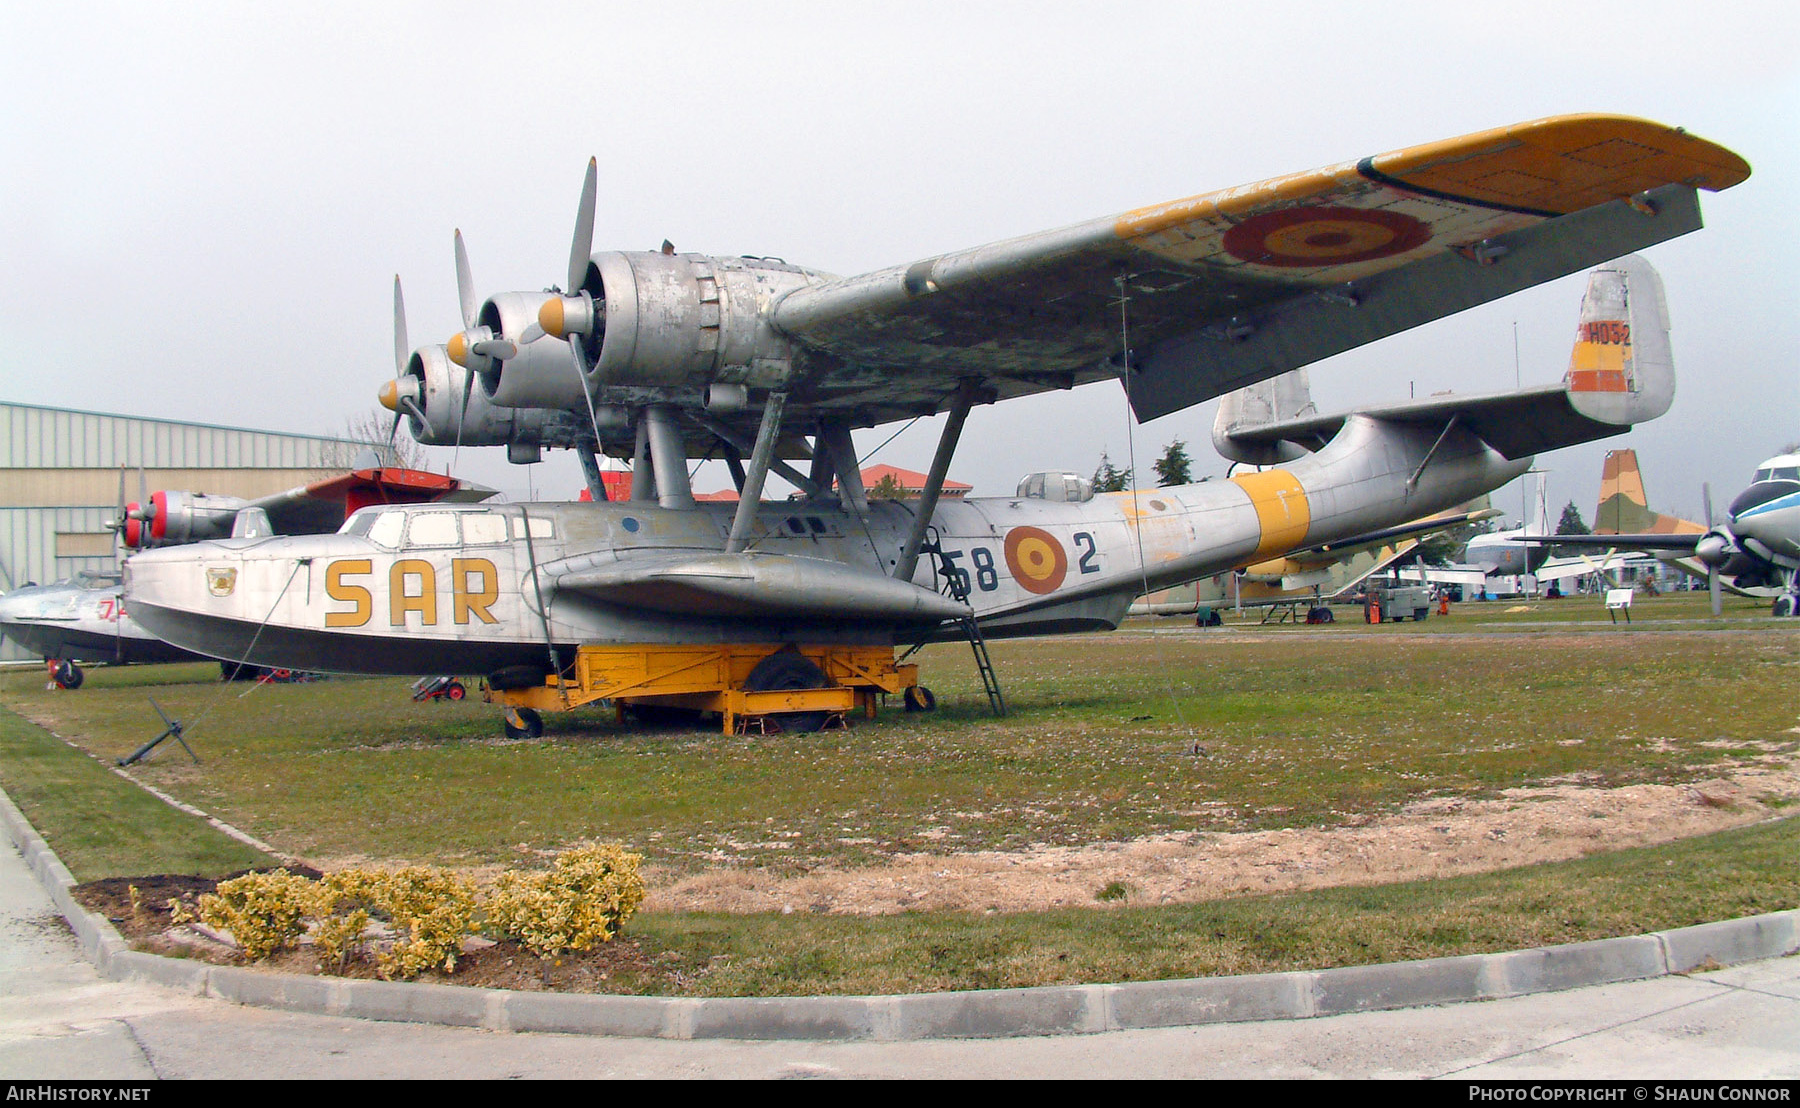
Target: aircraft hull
{"x": 635, "y": 573}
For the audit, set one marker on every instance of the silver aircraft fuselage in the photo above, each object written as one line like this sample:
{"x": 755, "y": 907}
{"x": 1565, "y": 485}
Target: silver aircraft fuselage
{"x": 82, "y": 620}
{"x": 413, "y": 595}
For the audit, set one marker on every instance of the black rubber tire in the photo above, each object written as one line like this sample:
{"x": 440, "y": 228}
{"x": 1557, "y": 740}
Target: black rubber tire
{"x": 785, "y": 671}
{"x": 1785, "y": 605}
{"x": 533, "y": 729}
{"x": 67, "y": 675}
{"x": 918, "y": 698}
{"x": 455, "y": 691}
{"x": 518, "y": 677}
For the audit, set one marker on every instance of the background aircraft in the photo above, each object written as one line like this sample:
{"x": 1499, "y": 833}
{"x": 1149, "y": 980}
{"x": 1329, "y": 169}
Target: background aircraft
{"x": 84, "y": 619}
{"x": 1754, "y": 552}
{"x": 671, "y": 356}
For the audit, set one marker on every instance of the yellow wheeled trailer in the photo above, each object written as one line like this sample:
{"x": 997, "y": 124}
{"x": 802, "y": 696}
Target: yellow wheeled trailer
{"x": 749, "y": 684}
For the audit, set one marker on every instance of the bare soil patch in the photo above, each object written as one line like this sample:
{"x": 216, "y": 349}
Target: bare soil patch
{"x": 1431, "y": 838}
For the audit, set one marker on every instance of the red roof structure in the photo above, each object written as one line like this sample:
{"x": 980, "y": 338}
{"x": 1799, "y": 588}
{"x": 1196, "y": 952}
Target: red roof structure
{"x": 913, "y": 483}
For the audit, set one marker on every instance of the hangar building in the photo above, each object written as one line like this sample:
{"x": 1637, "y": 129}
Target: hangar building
{"x": 59, "y": 480}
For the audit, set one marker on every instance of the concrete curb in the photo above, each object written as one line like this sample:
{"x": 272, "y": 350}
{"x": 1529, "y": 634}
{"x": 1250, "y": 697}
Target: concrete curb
{"x": 995, "y": 1013}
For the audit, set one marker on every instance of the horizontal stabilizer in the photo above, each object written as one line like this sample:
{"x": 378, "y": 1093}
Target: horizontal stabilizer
{"x": 1415, "y": 529}
{"x": 1621, "y": 374}
{"x": 761, "y": 586}
{"x": 1683, "y": 543}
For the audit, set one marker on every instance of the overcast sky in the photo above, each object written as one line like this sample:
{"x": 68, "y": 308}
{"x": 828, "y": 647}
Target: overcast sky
{"x": 202, "y": 206}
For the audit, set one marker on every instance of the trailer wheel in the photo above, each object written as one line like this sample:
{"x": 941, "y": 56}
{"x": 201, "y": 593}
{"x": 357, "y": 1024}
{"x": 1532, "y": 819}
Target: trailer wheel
{"x": 918, "y": 698}
{"x": 790, "y": 671}
{"x": 455, "y": 690}
{"x": 533, "y": 725}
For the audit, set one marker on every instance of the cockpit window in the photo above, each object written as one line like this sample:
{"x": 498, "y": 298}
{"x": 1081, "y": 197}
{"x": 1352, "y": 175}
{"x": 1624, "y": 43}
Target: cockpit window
{"x": 384, "y": 528}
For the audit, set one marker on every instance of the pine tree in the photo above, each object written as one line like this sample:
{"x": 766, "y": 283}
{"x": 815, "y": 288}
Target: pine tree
{"x": 1172, "y": 467}
{"x": 888, "y": 488}
{"x": 1571, "y": 523}
{"x": 1108, "y": 478}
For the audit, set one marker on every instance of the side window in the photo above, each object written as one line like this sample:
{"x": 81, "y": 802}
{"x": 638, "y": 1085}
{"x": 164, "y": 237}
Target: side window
{"x": 432, "y": 529}
{"x": 483, "y": 528}
{"x": 541, "y": 528}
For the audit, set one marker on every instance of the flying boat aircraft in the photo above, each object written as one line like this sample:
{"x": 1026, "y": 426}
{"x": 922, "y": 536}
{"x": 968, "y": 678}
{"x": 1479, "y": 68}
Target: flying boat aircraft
{"x": 662, "y": 357}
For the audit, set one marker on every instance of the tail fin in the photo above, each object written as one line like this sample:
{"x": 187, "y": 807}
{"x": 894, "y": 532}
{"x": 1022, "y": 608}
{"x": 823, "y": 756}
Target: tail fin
{"x": 1624, "y": 509}
{"x": 1540, "y": 504}
{"x": 1621, "y": 370}
{"x": 1276, "y": 400}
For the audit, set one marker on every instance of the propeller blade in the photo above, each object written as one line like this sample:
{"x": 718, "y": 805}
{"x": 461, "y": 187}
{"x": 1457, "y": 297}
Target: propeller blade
{"x": 465, "y": 284}
{"x": 501, "y": 348}
{"x": 531, "y": 334}
{"x": 582, "y": 249}
{"x": 1712, "y": 572}
{"x": 402, "y": 349}
{"x": 581, "y": 364}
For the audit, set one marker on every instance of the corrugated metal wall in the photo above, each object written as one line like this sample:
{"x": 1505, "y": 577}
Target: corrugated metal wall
{"x": 57, "y": 438}
{"x": 36, "y": 439}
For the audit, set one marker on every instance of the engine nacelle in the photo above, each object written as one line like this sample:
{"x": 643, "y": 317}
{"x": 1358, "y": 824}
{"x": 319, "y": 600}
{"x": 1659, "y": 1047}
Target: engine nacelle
{"x": 661, "y": 321}
{"x": 439, "y": 388}
{"x": 173, "y": 518}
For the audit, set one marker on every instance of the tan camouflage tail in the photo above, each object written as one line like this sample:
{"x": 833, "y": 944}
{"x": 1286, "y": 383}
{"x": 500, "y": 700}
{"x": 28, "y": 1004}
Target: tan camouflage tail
{"x": 1624, "y": 509}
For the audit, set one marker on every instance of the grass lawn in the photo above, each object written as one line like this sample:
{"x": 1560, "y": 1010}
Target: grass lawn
{"x": 1156, "y": 728}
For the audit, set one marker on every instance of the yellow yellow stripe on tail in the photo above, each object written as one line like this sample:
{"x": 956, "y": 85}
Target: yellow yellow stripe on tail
{"x": 1281, "y": 509}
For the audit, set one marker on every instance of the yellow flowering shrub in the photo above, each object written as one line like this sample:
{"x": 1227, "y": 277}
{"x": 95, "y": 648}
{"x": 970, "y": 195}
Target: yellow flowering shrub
{"x": 263, "y": 911}
{"x": 584, "y": 899}
{"x": 432, "y": 911}
{"x": 342, "y": 903}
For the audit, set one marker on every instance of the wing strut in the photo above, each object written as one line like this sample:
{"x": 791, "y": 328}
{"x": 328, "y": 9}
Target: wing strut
{"x": 731, "y": 438}
{"x": 643, "y": 468}
{"x": 668, "y": 457}
{"x": 934, "y": 481}
{"x": 590, "y": 471}
{"x": 836, "y": 435}
{"x": 750, "y": 494}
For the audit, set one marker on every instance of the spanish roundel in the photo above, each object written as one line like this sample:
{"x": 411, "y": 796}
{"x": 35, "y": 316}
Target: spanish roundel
{"x": 1317, "y": 236}
{"x": 1035, "y": 559}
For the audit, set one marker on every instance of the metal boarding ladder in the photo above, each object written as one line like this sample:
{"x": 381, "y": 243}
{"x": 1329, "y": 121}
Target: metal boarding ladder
{"x": 956, "y": 585}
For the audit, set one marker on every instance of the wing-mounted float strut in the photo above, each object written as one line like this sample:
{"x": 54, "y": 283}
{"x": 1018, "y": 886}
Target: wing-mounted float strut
{"x": 963, "y": 400}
